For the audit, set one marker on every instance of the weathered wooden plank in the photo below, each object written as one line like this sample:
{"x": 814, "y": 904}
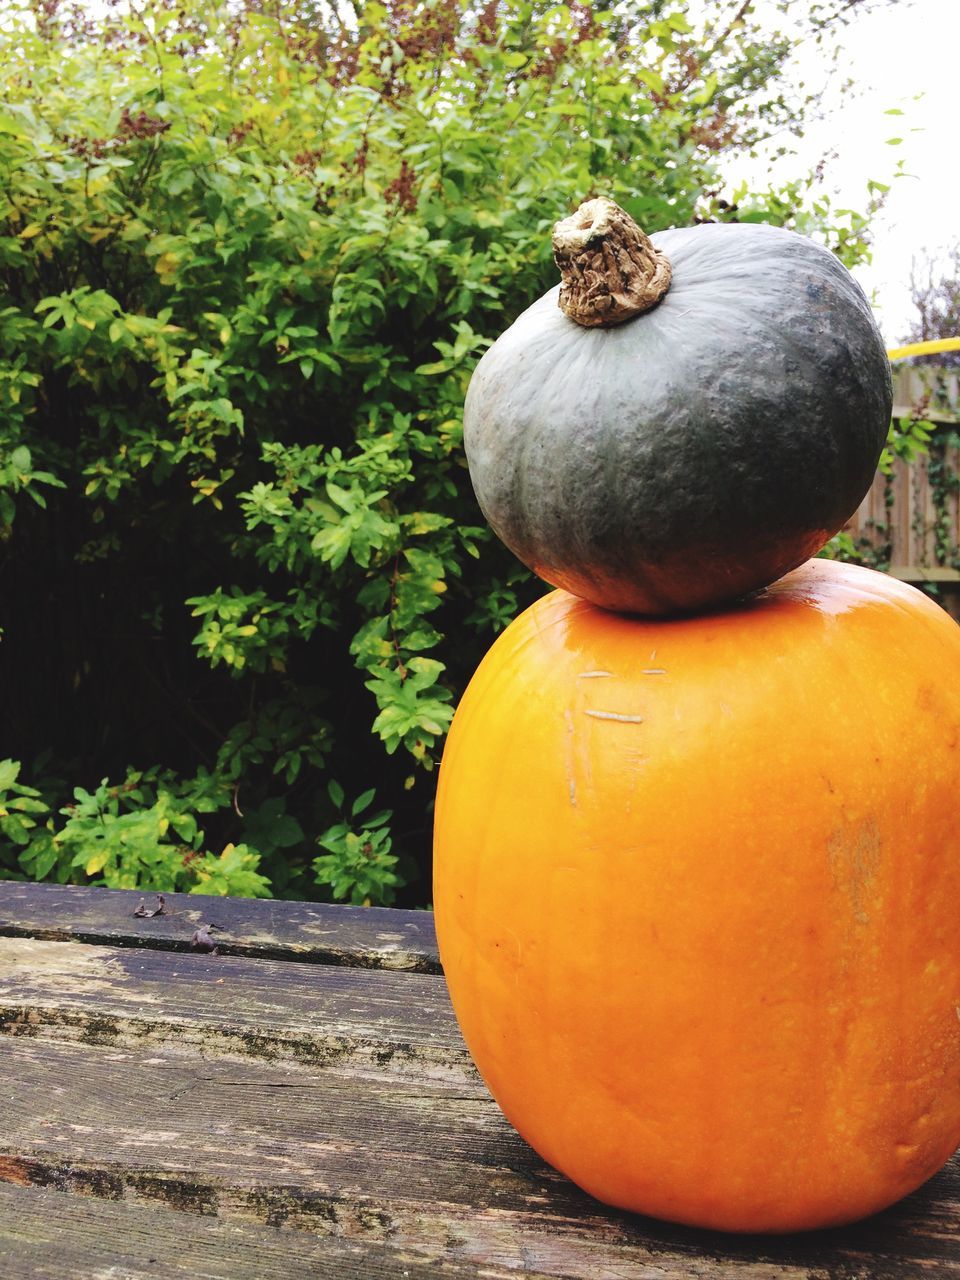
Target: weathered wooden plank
{"x": 930, "y": 391}
{"x": 369, "y": 1020}
{"x": 924, "y": 573}
{"x": 311, "y": 932}
{"x": 260, "y": 1123}
{"x": 910, "y": 523}
{"x": 340, "y": 1104}
{"x": 45, "y": 1234}
{"x": 442, "y": 1177}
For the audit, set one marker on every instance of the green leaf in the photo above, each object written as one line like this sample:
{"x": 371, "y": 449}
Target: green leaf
{"x": 9, "y": 772}
{"x": 96, "y": 862}
{"x": 362, "y": 802}
{"x": 45, "y": 861}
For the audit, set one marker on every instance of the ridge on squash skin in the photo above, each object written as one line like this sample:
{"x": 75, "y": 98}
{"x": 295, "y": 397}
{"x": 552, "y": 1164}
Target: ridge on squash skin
{"x": 709, "y": 965}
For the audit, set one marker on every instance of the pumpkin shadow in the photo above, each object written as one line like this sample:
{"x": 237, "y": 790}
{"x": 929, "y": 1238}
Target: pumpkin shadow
{"x": 917, "y": 1236}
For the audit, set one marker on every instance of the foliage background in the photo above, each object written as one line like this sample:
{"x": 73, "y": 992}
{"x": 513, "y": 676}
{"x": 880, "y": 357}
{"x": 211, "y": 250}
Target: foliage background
{"x": 249, "y": 255}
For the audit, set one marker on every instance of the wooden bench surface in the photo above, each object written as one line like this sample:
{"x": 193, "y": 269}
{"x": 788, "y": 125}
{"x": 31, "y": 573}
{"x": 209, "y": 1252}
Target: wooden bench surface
{"x": 301, "y": 1104}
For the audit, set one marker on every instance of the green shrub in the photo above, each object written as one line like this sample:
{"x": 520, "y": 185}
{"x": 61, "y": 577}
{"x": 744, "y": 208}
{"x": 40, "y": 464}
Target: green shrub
{"x": 248, "y": 259}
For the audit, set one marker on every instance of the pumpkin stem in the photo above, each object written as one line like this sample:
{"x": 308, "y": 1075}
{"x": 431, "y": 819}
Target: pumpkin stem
{"x": 610, "y": 270}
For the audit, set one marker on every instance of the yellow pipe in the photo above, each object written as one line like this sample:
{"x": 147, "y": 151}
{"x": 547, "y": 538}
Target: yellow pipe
{"x": 924, "y": 348}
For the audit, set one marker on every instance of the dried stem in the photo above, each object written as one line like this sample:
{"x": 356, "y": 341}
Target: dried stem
{"x": 610, "y": 270}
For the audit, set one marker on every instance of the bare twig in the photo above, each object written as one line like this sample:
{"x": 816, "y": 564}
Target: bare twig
{"x": 159, "y": 910}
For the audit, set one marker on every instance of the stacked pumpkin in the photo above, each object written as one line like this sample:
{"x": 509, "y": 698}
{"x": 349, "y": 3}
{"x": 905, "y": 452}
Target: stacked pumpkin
{"x": 697, "y": 853}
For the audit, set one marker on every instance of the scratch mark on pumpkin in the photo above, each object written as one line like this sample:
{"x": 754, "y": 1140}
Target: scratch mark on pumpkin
{"x": 654, "y": 671}
{"x": 593, "y": 675}
{"x": 569, "y": 760}
{"x": 613, "y": 715}
{"x": 854, "y": 858}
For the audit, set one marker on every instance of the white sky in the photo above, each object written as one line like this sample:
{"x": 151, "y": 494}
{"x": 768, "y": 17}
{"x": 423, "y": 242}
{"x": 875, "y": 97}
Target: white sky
{"x": 906, "y": 57}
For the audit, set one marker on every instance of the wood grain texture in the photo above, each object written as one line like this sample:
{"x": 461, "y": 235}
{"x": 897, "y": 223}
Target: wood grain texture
{"x": 44, "y": 1234}
{"x": 442, "y": 1178}
{"x": 168, "y": 1114}
{"x": 369, "y": 1020}
{"x": 435, "y": 1172}
{"x": 311, "y": 932}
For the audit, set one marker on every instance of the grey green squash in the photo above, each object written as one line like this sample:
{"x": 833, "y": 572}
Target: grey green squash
{"x": 713, "y": 415}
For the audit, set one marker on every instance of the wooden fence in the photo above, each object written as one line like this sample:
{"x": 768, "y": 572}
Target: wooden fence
{"x": 909, "y": 522}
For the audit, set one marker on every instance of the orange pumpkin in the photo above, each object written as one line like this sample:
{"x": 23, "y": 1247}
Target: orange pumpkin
{"x": 697, "y": 893}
